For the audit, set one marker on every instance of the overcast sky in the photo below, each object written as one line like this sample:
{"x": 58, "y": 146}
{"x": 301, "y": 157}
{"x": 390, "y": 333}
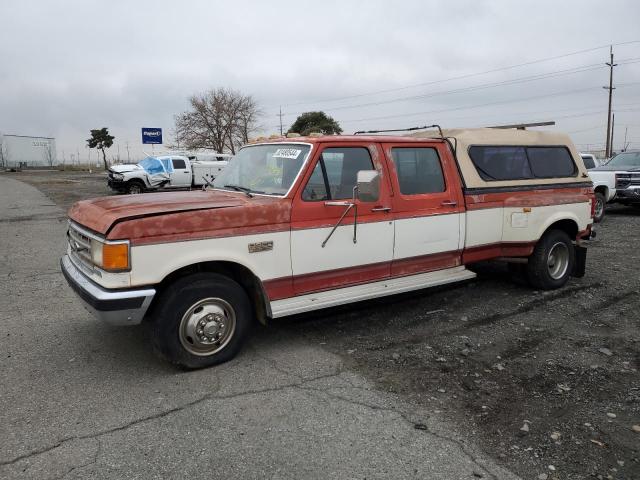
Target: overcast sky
{"x": 69, "y": 66}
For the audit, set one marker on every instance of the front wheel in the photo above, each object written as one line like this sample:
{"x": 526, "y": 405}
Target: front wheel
{"x": 551, "y": 263}
{"x": 598, "y": 214}
{"x": 134, "y": 187}
{"x": 201, "y": 320}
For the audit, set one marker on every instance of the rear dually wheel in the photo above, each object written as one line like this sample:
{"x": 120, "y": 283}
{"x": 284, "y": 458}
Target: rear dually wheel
{"x": 552, "y": 261}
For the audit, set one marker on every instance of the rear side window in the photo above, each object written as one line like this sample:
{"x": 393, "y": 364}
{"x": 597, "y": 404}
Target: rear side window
{"x": 335, "y": 173}
{"x": 551, "y": 162}
{"x": 521, "y": 163}
{"x": 588, "y": 163}
{"x": 418, "y": 170}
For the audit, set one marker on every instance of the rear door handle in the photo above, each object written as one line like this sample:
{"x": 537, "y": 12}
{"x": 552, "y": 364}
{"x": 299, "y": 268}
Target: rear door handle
{"x": 449, "y": 203}
{"x": 381, "y": 209}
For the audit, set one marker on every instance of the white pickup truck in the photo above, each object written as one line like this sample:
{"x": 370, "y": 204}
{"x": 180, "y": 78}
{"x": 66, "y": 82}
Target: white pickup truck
{"x": 164, "y": 172}
{"x": 618, "y": 180}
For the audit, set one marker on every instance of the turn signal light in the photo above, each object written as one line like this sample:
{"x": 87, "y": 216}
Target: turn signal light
{"x": 115, "y": 256}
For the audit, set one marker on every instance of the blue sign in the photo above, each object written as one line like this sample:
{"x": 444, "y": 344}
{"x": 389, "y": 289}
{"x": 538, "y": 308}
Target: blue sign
{"x": 152, "y": 135}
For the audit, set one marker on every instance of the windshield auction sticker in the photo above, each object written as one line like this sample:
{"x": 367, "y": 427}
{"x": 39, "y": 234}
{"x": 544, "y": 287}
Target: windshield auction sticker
{"x": 292, "y": 153}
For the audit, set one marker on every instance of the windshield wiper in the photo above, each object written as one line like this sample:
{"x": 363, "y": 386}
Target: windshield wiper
{"x": 238, "y": 188}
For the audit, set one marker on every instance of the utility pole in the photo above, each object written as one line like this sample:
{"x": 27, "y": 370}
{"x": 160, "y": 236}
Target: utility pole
{"x": 611, "y": 88}
{"x": 129, "y": 158}
{"x": 613, "y": 125}
{"x": 625, "y": 144}
{"x": 280, "y": 115}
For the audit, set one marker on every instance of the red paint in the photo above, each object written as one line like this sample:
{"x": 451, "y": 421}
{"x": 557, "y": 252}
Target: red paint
{"x": 496, "y": 250}
{"x": 280, "y": 288}
{"x": 252, "y": 216}
{"x": 528, "y": 198}
{"x": 425, "y": 263}
{"x": 99, "y": 214}
{"x": 181, "y": 216}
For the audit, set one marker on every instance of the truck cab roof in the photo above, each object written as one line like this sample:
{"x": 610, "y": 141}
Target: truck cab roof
{"x": 507, "y": 146}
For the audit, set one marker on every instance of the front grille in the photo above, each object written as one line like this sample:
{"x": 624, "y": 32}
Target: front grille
{"x": 624, "y": 180}
{"x": 79, "y": 246}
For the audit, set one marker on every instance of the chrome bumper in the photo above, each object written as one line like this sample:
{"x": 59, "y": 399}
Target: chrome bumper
{"x": 117, "y": 307}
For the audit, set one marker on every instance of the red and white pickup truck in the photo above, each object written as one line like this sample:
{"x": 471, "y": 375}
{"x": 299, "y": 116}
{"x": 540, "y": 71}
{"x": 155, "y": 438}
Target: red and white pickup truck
{"x": 299, "y": 224}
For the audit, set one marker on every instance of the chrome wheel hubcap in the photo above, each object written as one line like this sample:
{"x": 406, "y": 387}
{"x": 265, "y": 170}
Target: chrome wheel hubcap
{"x": 207, "y": 326}
{"x": 599, "y": 208}
{"x": 558, "y": 260}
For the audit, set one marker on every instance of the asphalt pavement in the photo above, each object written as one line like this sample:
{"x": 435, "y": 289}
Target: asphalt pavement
{"x": 80, "y": 399}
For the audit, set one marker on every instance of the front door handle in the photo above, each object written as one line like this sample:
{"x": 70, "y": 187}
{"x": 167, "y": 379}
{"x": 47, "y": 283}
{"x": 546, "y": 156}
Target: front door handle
{"x": 449, "y": 203}
{"x": 381, "y": 209}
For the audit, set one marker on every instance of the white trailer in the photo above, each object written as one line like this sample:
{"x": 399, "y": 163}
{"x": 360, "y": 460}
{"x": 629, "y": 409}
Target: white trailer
{"x": 25, "y": 151}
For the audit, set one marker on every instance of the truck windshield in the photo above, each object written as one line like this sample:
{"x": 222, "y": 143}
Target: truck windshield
{"x": 269, "y": 169}
{"x": 152, "y": 165}
{"x": 627, "y": 159}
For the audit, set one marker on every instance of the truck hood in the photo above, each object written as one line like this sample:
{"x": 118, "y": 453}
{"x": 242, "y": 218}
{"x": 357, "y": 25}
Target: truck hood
{"x": 175, "y": 216}
{"x": 99, "y": 214}
{"x": 127, "y": 167}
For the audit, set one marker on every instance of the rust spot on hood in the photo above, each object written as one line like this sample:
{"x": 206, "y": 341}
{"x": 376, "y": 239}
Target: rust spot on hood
{"x": 176, "y": 216}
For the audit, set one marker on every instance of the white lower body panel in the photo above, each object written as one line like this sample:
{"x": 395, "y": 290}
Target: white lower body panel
{"x": 342, "y": 296}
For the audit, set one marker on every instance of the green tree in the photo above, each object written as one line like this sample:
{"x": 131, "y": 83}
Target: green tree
{"x": 101, "y": 140}
{"x": 320, "y": 122}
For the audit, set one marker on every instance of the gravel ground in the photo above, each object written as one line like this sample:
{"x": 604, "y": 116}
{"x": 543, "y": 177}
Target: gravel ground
{"x": 546, "y": 382}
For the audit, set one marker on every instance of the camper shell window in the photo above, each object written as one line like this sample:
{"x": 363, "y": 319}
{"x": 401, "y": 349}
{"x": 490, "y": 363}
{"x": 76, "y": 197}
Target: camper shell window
{"x": 495, "y": 163}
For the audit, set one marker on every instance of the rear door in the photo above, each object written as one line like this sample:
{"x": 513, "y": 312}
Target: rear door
{"x": 428, "y": 207}
{"x": 181, "y": 175}
{"x": 322, "y": 260}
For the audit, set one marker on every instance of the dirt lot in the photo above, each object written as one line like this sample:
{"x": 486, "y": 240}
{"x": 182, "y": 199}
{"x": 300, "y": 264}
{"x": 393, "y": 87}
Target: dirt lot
{"x": 546, "y": 382}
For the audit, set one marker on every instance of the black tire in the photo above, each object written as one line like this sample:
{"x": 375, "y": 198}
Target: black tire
{"x": 170, "y": 320}
{"x": 134, "y": 187}
{"x": 545, "y": 273}
{"x": 600, "y": 207}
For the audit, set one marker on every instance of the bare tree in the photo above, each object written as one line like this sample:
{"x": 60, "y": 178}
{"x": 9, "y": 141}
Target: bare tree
{"x": 49, "y": 154}
{"x": 221, "y": 119}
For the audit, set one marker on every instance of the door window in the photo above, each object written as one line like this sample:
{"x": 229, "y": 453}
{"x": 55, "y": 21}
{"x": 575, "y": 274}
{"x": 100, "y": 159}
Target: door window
{"x": 179, "y": 163}
{"x": 335, "y": 173}
{"x": 418, "y": 169}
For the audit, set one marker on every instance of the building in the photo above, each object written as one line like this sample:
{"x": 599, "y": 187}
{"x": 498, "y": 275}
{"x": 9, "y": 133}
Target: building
{"x": 24, "y": 151}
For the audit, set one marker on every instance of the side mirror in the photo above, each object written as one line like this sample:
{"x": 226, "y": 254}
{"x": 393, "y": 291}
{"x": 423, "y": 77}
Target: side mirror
{"x": 368, "y": 182}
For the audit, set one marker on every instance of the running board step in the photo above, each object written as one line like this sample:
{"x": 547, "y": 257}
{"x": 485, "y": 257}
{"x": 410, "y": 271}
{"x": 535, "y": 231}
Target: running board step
{"x": 341, "y": 296}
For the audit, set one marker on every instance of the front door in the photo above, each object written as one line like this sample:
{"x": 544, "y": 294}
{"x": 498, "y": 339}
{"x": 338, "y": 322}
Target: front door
{"x": 325, "y": 261}
{"x": 428, "y": 208}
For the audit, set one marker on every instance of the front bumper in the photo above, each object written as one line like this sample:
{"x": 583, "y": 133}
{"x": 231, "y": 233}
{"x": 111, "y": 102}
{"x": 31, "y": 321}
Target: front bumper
{"x": 628, "y": 195}
{"x": 117, "y": 185}
{"x": 116, "y": 307}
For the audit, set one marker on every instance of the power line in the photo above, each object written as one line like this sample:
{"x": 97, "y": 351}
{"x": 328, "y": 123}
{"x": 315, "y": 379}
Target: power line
{"x": 584, "y": 111}
{"x": 503, "y": 102}
{"x": 530, "y": 78}
{"x": 461, "y": 77}
{"x": 467, "y": 89}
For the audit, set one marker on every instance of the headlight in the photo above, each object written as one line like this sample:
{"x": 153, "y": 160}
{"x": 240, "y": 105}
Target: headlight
{"x": 111, "y": 256}
{"x": 118, "y": 176}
